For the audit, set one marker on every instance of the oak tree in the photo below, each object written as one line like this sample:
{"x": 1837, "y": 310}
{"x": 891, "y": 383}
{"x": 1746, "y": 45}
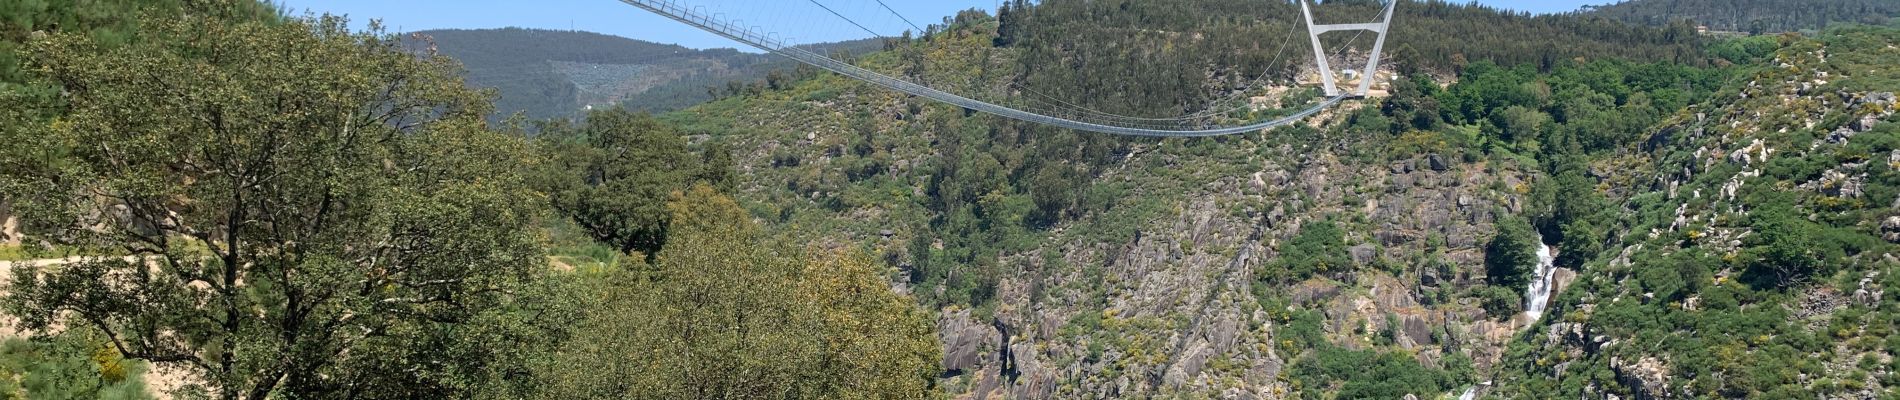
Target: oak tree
{"x": 303, "y": 211}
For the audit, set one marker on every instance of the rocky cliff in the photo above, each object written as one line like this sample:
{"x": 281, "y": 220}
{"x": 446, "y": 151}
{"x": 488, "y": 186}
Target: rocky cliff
{"x": 1758, "y": 258}
{"x": 1168, "y": 304}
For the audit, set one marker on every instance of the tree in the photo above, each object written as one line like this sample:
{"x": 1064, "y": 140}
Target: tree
{"x": 305, "y": 211}
{"x": 722, "y": 316}
{"x": 716, "y": 167}
{"x": 1511, "y": 257}
{"x": 621, "y": 167}
{"x": 1580, "y": 242}
{"x": 1009, "y": 22}
{"x": 1518, "y": 124}
{"x": 1783, "y": 249}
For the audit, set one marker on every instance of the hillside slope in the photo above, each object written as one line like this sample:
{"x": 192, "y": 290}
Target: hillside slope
{"x": 1350, "y": 256}
{"x": 1760, "y": 257}
{"x": 1755, "y": 16}
{"x": 549, "y": 73}
{"x": 1711, "y": 215}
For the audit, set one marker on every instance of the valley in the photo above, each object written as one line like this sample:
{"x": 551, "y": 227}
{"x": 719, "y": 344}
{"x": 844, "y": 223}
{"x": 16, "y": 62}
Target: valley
{"x": 1604, "y": 204}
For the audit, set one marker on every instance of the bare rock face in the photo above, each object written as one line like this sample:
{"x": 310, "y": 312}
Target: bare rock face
{"x": 1225, "y": 335}
{"x": 1392, "y": 295}
{"x": 1560, "y": 279}
{"x": 1191, "y": 364}
{"x": 1415, "y": 332}
{"x": 964, "y": 340}
{"x": 1034, "y": 378}
{"x": 1177, "y": 298}
{"x": 1314, "y": 291}
{"x": 1364, "y": 254}
{"x": 1648, "y": 376}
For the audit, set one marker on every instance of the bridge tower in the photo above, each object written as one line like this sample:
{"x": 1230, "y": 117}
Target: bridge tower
{"x": 1319, "y": 50}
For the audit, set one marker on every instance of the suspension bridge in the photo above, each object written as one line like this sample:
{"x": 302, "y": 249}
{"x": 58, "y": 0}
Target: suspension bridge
{"x": 1071, "y": 117}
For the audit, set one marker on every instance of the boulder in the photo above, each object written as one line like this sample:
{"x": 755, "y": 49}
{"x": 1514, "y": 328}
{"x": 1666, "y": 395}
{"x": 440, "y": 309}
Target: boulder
{"x": 1882, "y": 98}
{"x": 1866, "y": 123}
{"x": 1890, "y": 229}
{"x": 1415, "y": 332}
{"x": 1841, "y": 135}
{"x": 1428, "y": 277}
{"x": 1391, "y": 236}
{"x": 1437, "y": 163}
{"x": 1560, "y": 279}
{"x": 1403, "y": 181}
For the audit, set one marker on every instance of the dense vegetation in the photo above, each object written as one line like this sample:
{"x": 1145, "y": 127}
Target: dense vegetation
{"x": 1751, "y": 16}
{"x": 291, "y": 209}
{"x": 1161, "y": 71}
{"x": 821, "y": 325}
{"x": 314, "y": 212}
{"x": 302, "y": 243}
{"x": 615, "y": 172}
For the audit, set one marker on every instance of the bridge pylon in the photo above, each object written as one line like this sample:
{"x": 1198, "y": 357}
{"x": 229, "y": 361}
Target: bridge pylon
{"x": 1319, "y": 50}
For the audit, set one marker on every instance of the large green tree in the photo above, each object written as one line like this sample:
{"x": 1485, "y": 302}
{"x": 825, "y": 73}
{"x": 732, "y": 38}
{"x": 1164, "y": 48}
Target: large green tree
{"x": 304, "y": 211}
{"x": 615, "y": 174}
{"x": 1511, "y": 257}
{"x": 722, "y": 316}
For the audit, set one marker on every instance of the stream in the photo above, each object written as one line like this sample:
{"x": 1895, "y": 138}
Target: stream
{"x": 1536, "y": 295}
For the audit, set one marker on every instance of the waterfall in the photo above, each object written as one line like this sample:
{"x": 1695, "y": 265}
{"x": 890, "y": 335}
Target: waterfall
{"x": 1537, "y": 296}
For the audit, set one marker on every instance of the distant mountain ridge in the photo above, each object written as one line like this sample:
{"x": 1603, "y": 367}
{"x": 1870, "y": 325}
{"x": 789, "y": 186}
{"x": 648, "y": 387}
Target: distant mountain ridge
{"x": 1756, "y": 16}
{"x": 551, "y": 73}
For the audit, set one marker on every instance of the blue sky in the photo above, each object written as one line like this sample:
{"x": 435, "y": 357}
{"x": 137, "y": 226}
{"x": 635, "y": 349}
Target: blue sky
{"x": 616, "y": 18}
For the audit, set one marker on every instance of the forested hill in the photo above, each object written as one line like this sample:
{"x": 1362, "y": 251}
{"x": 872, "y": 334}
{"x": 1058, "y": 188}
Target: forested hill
{"x": 550, "y": 73}
{"x": 547, "y": 73}
{"x": 1754, "y": 16}
{"x": 1138, "y": 75}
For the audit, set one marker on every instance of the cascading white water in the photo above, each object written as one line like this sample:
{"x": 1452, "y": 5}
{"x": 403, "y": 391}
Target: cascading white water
{"x": 1537, "y": 296}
